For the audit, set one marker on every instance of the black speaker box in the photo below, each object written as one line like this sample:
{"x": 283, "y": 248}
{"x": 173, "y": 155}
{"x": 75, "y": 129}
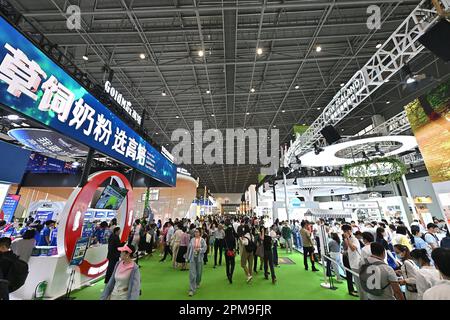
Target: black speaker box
{"x": 330, "y": 134}
{"x": 437, "y": 39}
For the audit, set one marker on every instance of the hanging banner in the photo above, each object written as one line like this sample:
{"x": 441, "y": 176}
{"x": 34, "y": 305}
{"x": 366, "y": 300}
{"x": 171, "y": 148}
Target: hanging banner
{"x": 35, "y": 86}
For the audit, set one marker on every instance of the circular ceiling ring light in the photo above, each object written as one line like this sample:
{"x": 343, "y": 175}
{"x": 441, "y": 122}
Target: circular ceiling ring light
{"x": 328, "y": 157}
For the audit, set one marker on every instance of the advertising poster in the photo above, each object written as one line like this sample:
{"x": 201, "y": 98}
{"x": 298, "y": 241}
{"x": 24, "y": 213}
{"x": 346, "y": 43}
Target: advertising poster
{"x": 80, "y": 251}
{"x": 44, "y": 215}
{"x": 9, "y": 207}
{"x": 35, "y": 86}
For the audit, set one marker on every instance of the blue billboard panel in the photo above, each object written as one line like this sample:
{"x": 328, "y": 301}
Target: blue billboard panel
{"x": 32, "y": 84}
{"x": 13, "y": 162}
{"x": 9, "y": 206}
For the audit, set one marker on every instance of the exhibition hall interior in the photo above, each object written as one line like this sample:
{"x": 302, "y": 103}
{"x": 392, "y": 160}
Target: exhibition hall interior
{"x": 224, "y": 150}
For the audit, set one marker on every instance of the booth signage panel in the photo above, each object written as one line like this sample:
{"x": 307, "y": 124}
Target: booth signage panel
{"x": 44, "y": 215}
{"x": 323, "y": 182}
{"x": 9, "y": 206}
{"x": 360, "y": 205}
{"x": 32, "y": 84}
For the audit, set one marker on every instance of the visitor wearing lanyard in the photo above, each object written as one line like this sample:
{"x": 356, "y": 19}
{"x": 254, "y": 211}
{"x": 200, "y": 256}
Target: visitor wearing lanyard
{"x": 125, "y": 282}
{"x": 196, "y": 250}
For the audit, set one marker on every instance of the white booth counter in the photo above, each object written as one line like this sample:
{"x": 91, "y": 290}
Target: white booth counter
{"x": 54, "y": 270}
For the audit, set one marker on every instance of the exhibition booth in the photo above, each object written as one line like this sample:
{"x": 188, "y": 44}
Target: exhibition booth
{"x": 90, "y": 161}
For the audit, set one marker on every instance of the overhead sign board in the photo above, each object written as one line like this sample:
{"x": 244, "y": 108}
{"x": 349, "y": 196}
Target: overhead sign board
{"x": 125, "y": 104}
{"x": 33, "y": 85}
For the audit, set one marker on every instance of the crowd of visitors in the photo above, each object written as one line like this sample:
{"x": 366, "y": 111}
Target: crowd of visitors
{"x": 413, "y": 262}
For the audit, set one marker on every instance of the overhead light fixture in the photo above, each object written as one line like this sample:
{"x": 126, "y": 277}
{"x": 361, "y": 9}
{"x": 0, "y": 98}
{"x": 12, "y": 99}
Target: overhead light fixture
{"x": 342, "y": 84}
{"x": 283, "y": 111}
{"x": 410, "y": 80}
{"x": 208, "y": 91}
{"x": 177, "y": 117}
{"x": 362, "y": 118}
{"x": 13, "y": 117}
{"x": 274, "y": 126}
{"x": 259, "y": 51}
{"x": 156, "y": 133}
{"x": 163, "y": 93}
{"x": 15, "y": 125}
{"x": 23, "y": 124}
{"x": 318, "y": 49}
{"x": 318, "y": 108}
{"x": 142, "y": 56}
{"x": 212, "y": 115}
{"x": 252, "y": 90}
{"x": 378, "y": 46}
{"x": 247, "y": 113}
{"x": 75, "y": 164}
{"x": 387, "y": 80}
{"x": 201, "y": 53}
{"x": 297, "y": 87}
{"x": 388, "y": 102}
{"x": 85, "y": 58}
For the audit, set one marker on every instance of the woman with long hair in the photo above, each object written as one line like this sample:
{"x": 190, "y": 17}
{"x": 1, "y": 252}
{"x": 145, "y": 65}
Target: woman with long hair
{"x": 230, "y": 252}
{"x": 427, "y": 275}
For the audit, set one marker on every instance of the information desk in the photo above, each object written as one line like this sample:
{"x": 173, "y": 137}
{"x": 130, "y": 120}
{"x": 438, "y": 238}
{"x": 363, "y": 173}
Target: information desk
{"x": 54, "y": 270}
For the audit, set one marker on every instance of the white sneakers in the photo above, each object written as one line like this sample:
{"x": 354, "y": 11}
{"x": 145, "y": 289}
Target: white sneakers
{"x": 249, "y": 278}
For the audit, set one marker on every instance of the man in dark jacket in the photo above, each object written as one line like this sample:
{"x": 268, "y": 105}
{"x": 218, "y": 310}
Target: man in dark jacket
{"x": 6, "y": 256}
{"x": 113, "y": 254}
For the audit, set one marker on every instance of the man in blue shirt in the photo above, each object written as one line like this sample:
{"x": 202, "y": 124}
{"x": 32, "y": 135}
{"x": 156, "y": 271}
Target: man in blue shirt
{"x": 53, "y": 237}
{"x": 45, "y": 233}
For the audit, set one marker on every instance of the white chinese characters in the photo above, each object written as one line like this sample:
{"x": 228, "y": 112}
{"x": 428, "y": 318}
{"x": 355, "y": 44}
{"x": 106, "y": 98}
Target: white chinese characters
{"x": 21, "y": 74}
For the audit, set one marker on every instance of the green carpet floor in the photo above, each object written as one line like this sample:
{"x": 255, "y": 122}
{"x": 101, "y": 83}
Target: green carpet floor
{"x": 159, "y": 281}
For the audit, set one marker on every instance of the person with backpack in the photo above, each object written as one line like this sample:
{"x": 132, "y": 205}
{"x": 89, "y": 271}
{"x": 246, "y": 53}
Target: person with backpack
{"x": 13, "y": 270}
{"x": 408, "y": 271}
{"x": 377, "y": 278}
{"x": 248, "y": 247}
{"x": 430, "y": 237}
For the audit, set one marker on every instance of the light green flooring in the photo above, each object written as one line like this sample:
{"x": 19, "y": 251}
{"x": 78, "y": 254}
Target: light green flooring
{"x": 161, "y": 282}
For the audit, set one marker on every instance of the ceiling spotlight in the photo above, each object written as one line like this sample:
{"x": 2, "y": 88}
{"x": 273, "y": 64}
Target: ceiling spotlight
{"x": 201, "y": 53}
{"x": 212, "y": 115}
{"x": 164, "y": 93}
{"x": 142, "y": 56}
{"x": 283, "y": 111}
{"x": 297, "y": 87}
{"x": 85, "y": 58}
{"x": 388, "y": 102}
{"x": 23, "y": 124}
{"x": 15, "y": 125}
{"x": 318, "y": 108}
{"x": 342, "y": 84}
{"x": 378, "y": 46}
{"x": 259, "y": 51}
{"x": 177, "y": 117}
{"x": 208, "y": 91}
{"x": 252, "y": 90}
{"x": 318, "y": 49}
{"x": 247, "y": 113}
{"x": 156, "y": 133}
{"x": 362, "y": 118}
{"x": 13, "y": 117}
{"x": 274, "y": 126}
{"x": 75, "y": 164}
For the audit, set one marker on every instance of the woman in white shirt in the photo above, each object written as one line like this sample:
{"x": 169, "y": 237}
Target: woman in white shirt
{"x": 408, "y": 271}
{"x": 427, "y": 276}
{"x": 441, "y": 290}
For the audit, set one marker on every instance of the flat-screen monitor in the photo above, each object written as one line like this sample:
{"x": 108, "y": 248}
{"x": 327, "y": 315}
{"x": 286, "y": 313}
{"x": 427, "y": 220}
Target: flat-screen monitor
{"x": 111, "y": 198}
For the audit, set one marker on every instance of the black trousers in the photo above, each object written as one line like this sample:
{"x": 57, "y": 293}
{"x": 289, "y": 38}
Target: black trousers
{"x": 308, "y": 251}
{"x": 4, "y": 292}
{"x": 230, "y": 263}
{"x": 348, "y": 275}
{"x": 218, "y": 247}
{"x": 255, "y": 262}
{"x": 268, "y": 263}
{"x": 167, "y": 250}
{"x": 275, "y": 253}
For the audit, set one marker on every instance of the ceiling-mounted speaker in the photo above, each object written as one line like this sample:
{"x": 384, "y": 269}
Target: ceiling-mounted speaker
{"x": 330, "y": 134}
{"x": 437, "y": 39}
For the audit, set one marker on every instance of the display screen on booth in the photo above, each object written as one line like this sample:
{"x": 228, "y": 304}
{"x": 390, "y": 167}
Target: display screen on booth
{"x": 32, "y": 84}
{"x": 111, "y": 198}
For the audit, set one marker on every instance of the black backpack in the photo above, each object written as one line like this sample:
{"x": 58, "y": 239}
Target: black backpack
{"x": 18, "y": 272}
{"x": 251, "y": 246}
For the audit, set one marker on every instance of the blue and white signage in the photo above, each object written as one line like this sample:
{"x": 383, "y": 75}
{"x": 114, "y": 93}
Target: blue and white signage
{"x": 32, "y": 84}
